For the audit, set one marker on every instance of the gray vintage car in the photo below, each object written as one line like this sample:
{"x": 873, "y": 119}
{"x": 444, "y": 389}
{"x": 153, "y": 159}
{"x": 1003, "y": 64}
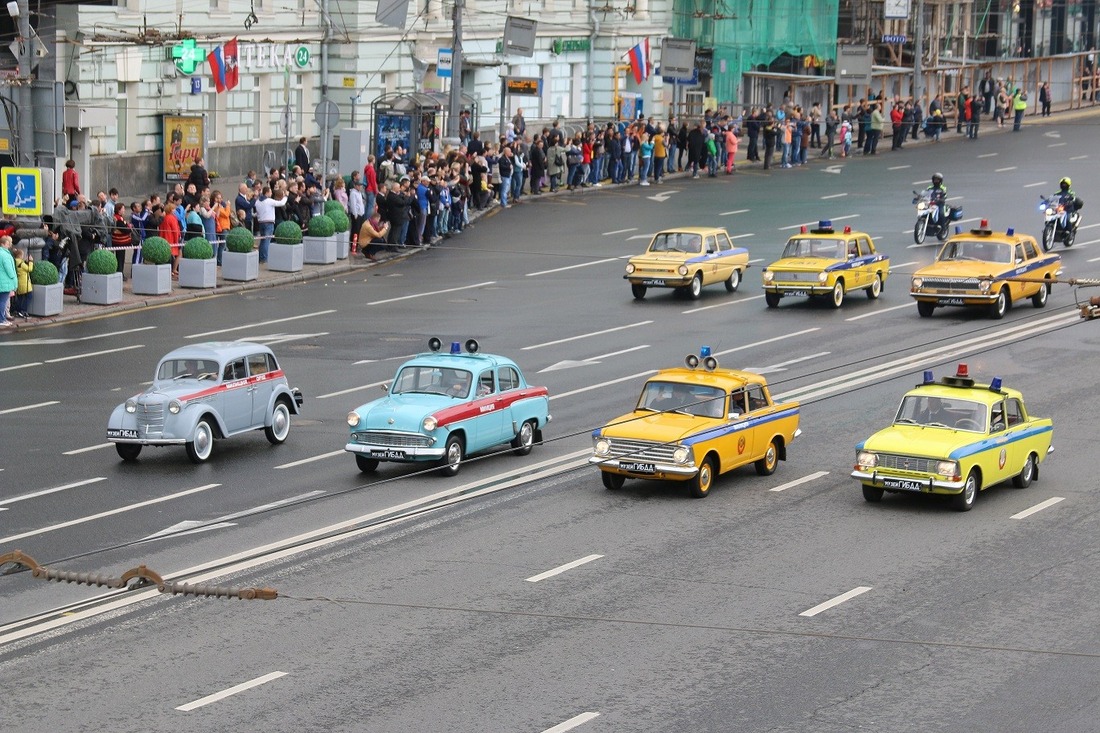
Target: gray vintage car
{"x": 205, "y": 392}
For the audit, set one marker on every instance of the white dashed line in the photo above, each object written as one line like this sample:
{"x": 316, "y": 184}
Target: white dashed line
{"x": 836, "y": 601}
{"x": 833, "y": 196}
{"x": 202, "y": 701}
{"x": 54, "y": 490}
{"x": 812, "y": 223}
{"x": 724, "y": 304}
{"x": 586, "y": 335}
{"x": 879, "y": 312}
{"x": 261, "y": 323}
{"x": 572, "y": 723}
{"x": 571, "y": 267}
{"x": 800, "y": 481}
{"x": 1038, "y": 507}
{"x": 304, "y": 461}
{"x": 620, "y": 231}
{"x": 29, "y": 407}
{"x": 21, "y": 366}
{"x": 898, "y": 167}
{"x": 431, "y": 293}
{"x": 1004, "y": 170}
{"x": 589, "y": 388}
{"x": 89, "y": 449}
{"x": 94, "y": 353}
{"x": 1055, "y": 145}
{"x": 736, "y": 211}
{"x": 1079, "y": 157}
{"x": 988, "y": 155}
{"x": 349, "y": 390}
{"x": 1034, "y": 185}
{"x": 562, "y": 568}
{"x": 741, "y": 236}
{"x": 766, "y": 341}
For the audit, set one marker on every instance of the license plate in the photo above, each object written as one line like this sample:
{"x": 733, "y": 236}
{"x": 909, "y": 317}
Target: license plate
{"x": 796, "y": 292}
{"x": 903, "y": 484}
{"x": 391, "y": 454}
{"x": 637, "y": 467}
{"x": 122, "y": 434}
{"x": 653, "y": 282}
{"x": 951, "y": 301}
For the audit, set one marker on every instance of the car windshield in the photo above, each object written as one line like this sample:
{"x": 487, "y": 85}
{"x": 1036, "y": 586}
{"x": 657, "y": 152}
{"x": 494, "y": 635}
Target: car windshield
{"x": 832, "y": 249}
{"x": 687, "y": 399}
{"x": 943, "y": 412}
{"x": 176, "y": 369}
{"x": 977, "y": 250}
{"x": 432, "y": 380}
{"x": 677, "y": 242}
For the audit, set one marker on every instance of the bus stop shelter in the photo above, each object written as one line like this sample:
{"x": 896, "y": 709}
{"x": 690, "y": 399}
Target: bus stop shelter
{"x": 413, "y": 120}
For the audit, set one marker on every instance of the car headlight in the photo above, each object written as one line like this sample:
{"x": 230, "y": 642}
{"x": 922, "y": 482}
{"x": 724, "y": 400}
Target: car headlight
{"x": 175, "y": 406}
{"x": 353, "y": 419}
{"x": 682, "y": 454}
{"x": 131, "y": 406}
{"x": 822, "y": 277}
{"x": 768, "y": 276}
{"x": 947, "y": 468}
{"x": 984, "y": 285}
{"x": 602, "y": 447}
{"x": 429, "y": 423}
{"x": 918, "y": 282}
{"x": 630, "y": 268}
{"x": 866, "y": 459}
{"x": 683, "y": 270}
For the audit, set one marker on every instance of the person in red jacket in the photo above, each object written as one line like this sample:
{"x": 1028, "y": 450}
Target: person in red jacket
{"x": 370, "y": 178}
{"x": 70, "y": 179}
{"x": 170, "y": 230}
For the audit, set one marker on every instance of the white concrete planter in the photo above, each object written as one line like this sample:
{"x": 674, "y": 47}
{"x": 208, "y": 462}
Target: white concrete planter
{"x": 151, "y": 280}
{"x": 201, "y": 273}
{"x": 285, "y": 257}
{"x": 238, "y": 266}
{"x": 343, "y": 244}
{"x": 101, "y": 289}
{"x": 320, "y": 250}
{"x": 46, "y": 300}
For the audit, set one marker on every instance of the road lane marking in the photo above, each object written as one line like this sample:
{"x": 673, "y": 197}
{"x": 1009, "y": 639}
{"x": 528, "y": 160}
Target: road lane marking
{"x": 766, "y": 341}
{"x": 1033, "y": 185}
{"x": 432, "y": 293}
{"x": 735, "y": 211}
{"x": 109, "y": 513}
{"x": 837, "y": 195}
{"x": 1079, "y": 157}
{"x": 572, "y": 723}
{"x": 898, "y": 167}
{"x": 1004, "y": 170}
{"x": 836, "y": 601}
{"x": 1055, "y": 145}
{"x": 780, "y": 367}
{"x": 260, "y": 323}
{"x": 29, "y": 407}
{"x": 590, "y": 361}
{"x": 903, "y": 264}
{"x": 758, "y": 259}
{"x": 94, "y": 353}
{"x": 722, "y": 305}
{"x": 1094, "y": 259}
{"x": 562, "y": 568}
{"x": 21, "y": 366}
{"x": 586, "y": 335}
{"x": 620, "y": 231}
{"x": 618, "y": 353}
{"x": 304, "y": 461}
{"x": 1038, "y": 507}
{"x": 54, "y": 490}
{"x": 988, "y": 155}
{"x": 231, "y": 691}
{"x": 349, "y": 390}
{"x": 742, "y": 236}
{"x": 880, "y": 311}
{"x": 799, "y": 481}
{"x": 89, "y": 449}
{"x": 570, "y": 267}
{"x": 1089, "y": 226}
{"x": 814, "y": 223}
{"x": 639, "y": 236}
{"x": 591, "y": 387}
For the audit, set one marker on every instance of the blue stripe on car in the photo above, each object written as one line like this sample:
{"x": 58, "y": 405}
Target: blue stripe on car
{"x": 995, "y": 441}
{"x": 716, "y": 255}
{"x": 857, "y": 262}
{"x": 720, "y": 430}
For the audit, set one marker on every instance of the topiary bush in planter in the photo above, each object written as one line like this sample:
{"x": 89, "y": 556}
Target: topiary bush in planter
{"x": 102, "y": 262}
{"x": 319, "y": 226}
{"x": 44, "y": 273}
{"x": 240, "y": 261}
{"x": 156, "y": 251}
{"x": 200, "y": 249}
{"x": 288, "y": 232}
{"x": 333, "y": 205}
{"x": 340, "y": 221}
{"x": 238, "y": 240}
{"x": 47, "y": 295}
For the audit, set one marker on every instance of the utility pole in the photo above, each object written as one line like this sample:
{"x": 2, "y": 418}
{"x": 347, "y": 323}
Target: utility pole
{"x": 23, "y": 99}
{"x": 454, "y": 102}
{"x": 918, "y": 53}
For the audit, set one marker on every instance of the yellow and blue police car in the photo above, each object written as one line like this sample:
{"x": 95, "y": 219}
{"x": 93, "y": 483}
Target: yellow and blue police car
{"x": 954, "y": 437}
{"x": 686, "y": 259}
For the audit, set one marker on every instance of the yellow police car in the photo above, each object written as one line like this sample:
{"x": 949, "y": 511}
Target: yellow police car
{"x": 986, "y": 269}
{"x": 694, "y": 423}
{"x": 954, "y": 437}
{"x": 686, "y": 259}
{"x": 824, "y": 262}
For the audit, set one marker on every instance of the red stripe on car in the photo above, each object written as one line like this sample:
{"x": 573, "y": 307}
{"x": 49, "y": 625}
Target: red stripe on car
{"x": 486, "y": 405}
{"x": 235, "y": 384}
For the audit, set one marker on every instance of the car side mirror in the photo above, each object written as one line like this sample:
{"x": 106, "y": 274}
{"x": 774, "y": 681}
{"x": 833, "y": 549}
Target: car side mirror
{"x": 385, "y": 387}
{"x": 998, "y": 427}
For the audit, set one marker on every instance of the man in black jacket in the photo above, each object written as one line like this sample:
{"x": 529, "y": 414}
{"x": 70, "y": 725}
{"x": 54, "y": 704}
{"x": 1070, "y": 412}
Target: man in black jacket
{"x": 538, "y": 165}
{"x": 696, "y": 142}
{"x": 397, "y": 210}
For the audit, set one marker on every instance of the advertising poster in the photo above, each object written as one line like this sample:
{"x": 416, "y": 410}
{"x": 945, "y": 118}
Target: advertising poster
{"x": 392, "y": 130}
{"x": 183, "y": 142}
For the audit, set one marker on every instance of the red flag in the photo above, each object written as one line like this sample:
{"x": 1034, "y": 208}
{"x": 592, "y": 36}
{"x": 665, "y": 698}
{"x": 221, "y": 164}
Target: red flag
{"x": 232, "y": 69}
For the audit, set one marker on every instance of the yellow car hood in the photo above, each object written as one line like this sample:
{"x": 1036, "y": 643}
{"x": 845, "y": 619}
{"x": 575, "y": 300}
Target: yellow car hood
{"x": 803, "y": 264}
{"x": 917, "y": 440}
{"x": 665, "y": 427}
{"x": 966, "y": 269}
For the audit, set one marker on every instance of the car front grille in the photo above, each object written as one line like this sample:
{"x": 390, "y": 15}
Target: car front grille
{"x": 907, "y": 463}
{"x": 641, "y": 450}
{"x": 794, "y": 277}
{"x": 950, "y": 284}
{"x": 391, "y": 440}
{"x": 150, "y": 418}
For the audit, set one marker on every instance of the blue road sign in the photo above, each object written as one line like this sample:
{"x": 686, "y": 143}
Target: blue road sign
{"x": 22, "y": 191}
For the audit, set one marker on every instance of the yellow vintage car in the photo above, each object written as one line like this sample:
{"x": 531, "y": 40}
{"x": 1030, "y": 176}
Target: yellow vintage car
{"x": 824, "y": 262}
{"x": 687, "y": 259}
{"x": 954, "y": 437}
{"x": 986, "y": 269}
{"x": 694, "y": 423}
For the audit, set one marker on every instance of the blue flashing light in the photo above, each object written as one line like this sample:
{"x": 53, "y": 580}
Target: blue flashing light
{"x": 928, "y": 377}
{"x": 995, "y": 385}
{"x": 825, "y": 224}
{"x": 1010, "y": 231}
{"x": 456, "y": 348}
{"x": 704, "y": 352}
{"x": 958, "y": 230}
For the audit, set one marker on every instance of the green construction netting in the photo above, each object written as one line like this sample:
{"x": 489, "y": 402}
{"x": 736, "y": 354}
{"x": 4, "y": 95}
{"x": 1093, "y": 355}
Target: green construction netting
{"x": 747, "y": 33}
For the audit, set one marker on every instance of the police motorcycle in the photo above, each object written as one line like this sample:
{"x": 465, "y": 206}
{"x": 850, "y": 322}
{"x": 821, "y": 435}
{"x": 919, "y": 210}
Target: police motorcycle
{"x": 930, "y": 220}
{"x": 1061, "y": 219}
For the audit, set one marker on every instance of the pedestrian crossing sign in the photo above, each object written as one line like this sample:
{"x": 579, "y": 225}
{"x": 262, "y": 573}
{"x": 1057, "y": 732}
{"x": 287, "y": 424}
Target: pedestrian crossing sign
{"x": 21, "y": 191}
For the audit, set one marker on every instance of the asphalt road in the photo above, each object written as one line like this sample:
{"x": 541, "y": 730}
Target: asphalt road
{"x": 685, "y": 614}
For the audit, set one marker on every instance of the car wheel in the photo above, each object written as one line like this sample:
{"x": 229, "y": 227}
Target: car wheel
{"x": 521, "y": 444}
{"x": 704, "y": 479}
{"x": 365, "y": 464}
{"x": 766, "y": 465}
{"x": 612, "y": 481}
{"x": 1040, "y": 298}
{"x": 964, "y": 501}
{"x": 128, "y": 451}
{"x": 733, "y": 281}
{"x": 695, "y": 289}
{"x": 876, "y": 287}
{"x": 872, "y": 494}
{"x": 199, "y": 449}
{"x": 1048, "y": 237}
{"x": 838, "y": 294}
{"x": 452, "y": 456}
{"x": 1000, "y": 305}
{"x": 280, "y": 424}
{"x": 919, "y": 230}
{"x": 638, "y": 291}
{"x": 772, "y": 299}
{"x": 925, "y": 309}
{"x": 1027, "y": 473}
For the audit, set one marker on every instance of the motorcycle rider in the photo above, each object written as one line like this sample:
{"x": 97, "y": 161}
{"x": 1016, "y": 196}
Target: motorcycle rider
{"x": 937, "y": 194}
{"x": 1067, "y": 198}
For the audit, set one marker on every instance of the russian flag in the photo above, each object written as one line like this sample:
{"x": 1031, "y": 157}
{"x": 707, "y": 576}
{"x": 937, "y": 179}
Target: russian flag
{"x": 217, "y": 68}
{"x": 639, "y": 61}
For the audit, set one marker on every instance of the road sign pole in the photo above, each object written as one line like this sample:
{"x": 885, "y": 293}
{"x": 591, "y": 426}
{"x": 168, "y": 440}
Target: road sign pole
{"x": 454, "y": 102}
{"x": 25, "y": 129}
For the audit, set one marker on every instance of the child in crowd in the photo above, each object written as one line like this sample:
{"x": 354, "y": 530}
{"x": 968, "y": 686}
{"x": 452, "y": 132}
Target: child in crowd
{"x": 24, "y": 265}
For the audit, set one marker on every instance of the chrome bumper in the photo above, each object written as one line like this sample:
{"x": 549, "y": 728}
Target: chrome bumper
{"x": 875, "y": 479}
{"x": 408, "y": 454}
{"x": 660, "y": 470}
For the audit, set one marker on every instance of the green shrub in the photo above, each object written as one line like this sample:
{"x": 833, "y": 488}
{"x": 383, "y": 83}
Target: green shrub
{"x": 340, "y": 221}
{"x": 156, "y": 251}
{"x": 239, "y": 240}
{"x": 44, "y": 273}
{"x": 321, "y": 226}
{"x": 288, "y": 232}
{"x": 198, "y": 249}
{"x": 102, "y": 262}
{"x": 332, "y": 205}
